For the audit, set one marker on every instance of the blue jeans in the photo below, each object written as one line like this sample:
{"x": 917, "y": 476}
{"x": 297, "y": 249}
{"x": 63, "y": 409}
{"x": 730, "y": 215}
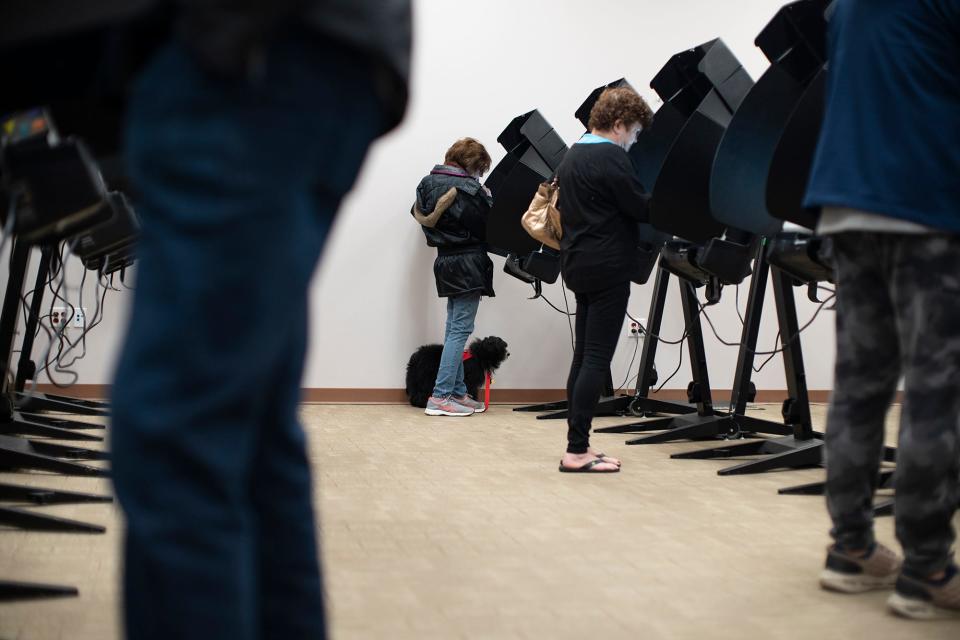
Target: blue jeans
{"x": 461, "y": 314}
{"x": 238, "y": 184}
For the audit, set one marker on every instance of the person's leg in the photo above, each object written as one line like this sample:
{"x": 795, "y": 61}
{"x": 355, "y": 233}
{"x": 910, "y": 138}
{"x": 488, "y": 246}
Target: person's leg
{"x": 865, "y": 380}
{"x": 602, "y": 326}
{"x": 461, "y": 315}
{"x": 228, "y": 224}
{"x": 290, "y": 593}
{"x": 445, "y": 376}
{"x": 468, "y": 317}
{"x": 580, "y": 335}
{"x": 927, "y": 299}
{"x": 866, "y": 372}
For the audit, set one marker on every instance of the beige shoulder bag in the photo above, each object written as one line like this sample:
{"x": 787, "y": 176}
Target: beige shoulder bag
{"x": 542, "y": 218}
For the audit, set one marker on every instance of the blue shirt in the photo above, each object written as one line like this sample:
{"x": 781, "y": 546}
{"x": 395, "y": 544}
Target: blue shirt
{"x": 890, "y": 142}
{"x": 591, "y": 138}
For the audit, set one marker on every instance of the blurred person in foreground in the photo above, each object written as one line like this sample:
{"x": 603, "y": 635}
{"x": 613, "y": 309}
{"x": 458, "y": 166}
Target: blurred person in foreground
{"x": 887, "y": 176}
{"x": 243, "y": 136}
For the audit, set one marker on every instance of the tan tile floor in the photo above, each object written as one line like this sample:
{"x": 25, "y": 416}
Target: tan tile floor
{"x": 462, "y": 528}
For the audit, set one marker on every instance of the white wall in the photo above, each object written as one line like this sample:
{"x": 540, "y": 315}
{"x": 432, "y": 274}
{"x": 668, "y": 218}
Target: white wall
{"x": 476, "y": 66}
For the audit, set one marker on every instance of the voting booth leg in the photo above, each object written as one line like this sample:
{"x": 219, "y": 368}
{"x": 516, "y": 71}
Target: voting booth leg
{"x": 703, "y": 424}
{"x": 609, "y": 405}
{"x": 802, "y": 448}
{"x": 33, "y": 521}
{"x": 884, "y": 481}
{"x": 42, "y": 402}
{"x": 41, "y": 496}
{"x": 20, "y": 453}
{"x": 12, "y": 591}
{"x": 738, "y": 425}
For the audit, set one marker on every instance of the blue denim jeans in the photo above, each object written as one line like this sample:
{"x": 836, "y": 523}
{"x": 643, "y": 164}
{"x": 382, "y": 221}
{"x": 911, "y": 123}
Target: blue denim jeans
{"x": 461, "y": 314}
{"x": 237, "y": 185}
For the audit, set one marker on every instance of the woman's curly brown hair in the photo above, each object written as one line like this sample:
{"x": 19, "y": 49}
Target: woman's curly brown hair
{"x": 469, "y": 155}
{"x": 620, "y": 103}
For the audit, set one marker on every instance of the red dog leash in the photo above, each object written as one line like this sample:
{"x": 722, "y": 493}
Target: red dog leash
{"x": 486, "y": 381}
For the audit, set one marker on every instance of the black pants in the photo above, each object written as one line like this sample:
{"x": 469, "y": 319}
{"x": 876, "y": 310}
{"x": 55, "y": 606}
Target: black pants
{"x": 600, "y": 317}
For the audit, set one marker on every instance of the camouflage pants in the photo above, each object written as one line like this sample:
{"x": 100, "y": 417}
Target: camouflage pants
{"x": 898, "y": 314}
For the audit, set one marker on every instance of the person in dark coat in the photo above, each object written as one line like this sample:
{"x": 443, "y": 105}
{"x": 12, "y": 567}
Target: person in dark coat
{"x": 452, "y": 208}
{"x": 601, "y": 202}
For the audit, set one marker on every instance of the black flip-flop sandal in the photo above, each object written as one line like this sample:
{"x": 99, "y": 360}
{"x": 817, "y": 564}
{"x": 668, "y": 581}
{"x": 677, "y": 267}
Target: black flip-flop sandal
{"x": 589, "y": 467}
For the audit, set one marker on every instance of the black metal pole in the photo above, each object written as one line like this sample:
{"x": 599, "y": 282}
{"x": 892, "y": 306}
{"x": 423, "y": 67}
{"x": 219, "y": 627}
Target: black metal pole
{"x": 698, "y": 354}
{"x": 751, "y": 330}
{"x": 19, "y": 256}
{"x": 796, "y": 410}
{"x": 648, "y": 356}
{"x": 26, "y": 368}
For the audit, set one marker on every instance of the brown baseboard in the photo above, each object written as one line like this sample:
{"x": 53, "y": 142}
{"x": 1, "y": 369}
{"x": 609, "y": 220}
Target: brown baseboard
{"x": 82, "y": 391}
{"x": 498, "y": 396}
{"x": 355, "y": 396}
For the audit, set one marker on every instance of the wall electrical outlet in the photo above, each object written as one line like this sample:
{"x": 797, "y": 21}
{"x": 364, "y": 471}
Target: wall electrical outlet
{"x": 79, "y": 318}
{"x": 633, "y": 328}
{"x": 60, "y": 317}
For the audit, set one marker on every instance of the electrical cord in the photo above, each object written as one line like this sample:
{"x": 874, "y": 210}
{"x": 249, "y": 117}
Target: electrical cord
{"x": 555, "y": 308}
{"x": 567, "y": 313}
{"x": 60, "y": 271}
{"x": 675, "y": 371}
{"x": 89, "y": 325}
{"x": 82, "y": 340}
{"x": 56, "y": 337}
{"x": 96, "y": 319}
{"x": 627, "y": 379}
{"x": 736, "y": 304}
{"x": 643, "y": 329}
{"x": 686, "y": 332}
{"x": 785, "y": 343}
{"x": 763, "y": 364}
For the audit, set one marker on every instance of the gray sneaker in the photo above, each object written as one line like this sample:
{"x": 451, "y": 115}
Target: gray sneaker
{"x": 920, "y": 599}
{"x": 446, "y": 407}
{"x": 467, "y": 401}
{"x": 851, "y": 574}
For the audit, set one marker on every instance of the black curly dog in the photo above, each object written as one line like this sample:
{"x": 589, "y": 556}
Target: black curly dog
{"x": 488, "y": 355}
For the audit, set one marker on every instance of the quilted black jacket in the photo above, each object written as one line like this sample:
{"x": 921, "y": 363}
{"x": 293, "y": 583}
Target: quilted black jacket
{"x": 462, "y": 265}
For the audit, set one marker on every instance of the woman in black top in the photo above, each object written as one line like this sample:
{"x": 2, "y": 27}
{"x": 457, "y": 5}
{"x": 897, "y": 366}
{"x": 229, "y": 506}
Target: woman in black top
{"x": 601, "y": 204}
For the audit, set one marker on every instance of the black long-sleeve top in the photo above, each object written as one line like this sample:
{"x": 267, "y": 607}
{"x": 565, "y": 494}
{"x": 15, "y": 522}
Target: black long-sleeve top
{"x": 601, "y": 203}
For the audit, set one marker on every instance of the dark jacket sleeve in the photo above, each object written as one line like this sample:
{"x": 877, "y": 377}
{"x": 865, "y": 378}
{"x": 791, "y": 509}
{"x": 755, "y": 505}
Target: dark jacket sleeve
{"x": 471, "y": 211}
{"x": 628, "y": 193}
